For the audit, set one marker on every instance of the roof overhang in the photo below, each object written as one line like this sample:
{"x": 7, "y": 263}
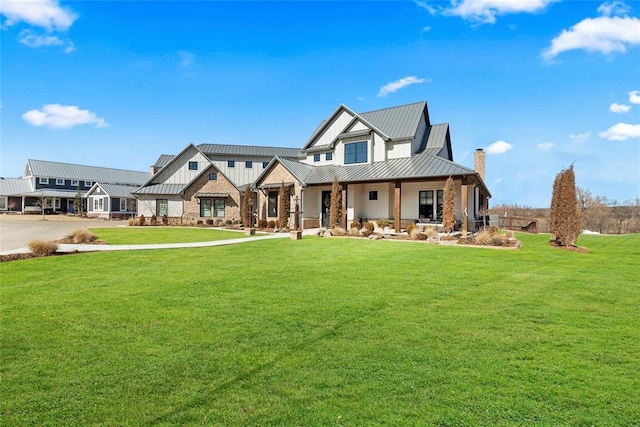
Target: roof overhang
{"x": 211, "y": 195}
{"x": 275, "y": 185}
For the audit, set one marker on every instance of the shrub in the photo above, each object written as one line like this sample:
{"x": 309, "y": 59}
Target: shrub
{"x": 262, "y": 223}
{"x": 199, "y": 222}
{"x": 165, "y": 220}
{"x": 410, "y": 228}
{"x": 209, "y": 221}
{"x": 431, "y": 232}
{"x": 132, "y": 222}
{"x": 153, "y": 220}
{"x": 491, "y": 237}
{"x": 83, "y": 236}
{"x": 271, "y": 223}
{"x": 141, "y": 220}
{"x": 369, "y": 226}
{"x": 382, "y": 223}
{"x": 355, "y": 224}
{"x": 228, "y": 222}
{"x": 40, "y": 247}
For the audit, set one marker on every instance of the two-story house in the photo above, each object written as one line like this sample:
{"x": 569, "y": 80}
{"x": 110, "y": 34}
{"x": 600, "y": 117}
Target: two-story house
{"x": 390, "y": 163}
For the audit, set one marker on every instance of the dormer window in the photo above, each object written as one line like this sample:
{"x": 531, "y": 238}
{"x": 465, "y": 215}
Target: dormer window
{"x": 328, "y": 156}
{"x": 355, "y": 152}
{"x": 316, "y": 157}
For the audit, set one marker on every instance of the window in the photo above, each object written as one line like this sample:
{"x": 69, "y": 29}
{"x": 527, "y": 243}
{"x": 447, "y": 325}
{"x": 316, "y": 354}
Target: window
{"x": 193, "y": 166}
{"x": 356, "y": 152}
{"x": 123, "y": 205}
{"x": 248, "y": 165}
{"x": 265, "y": 164}
{"x": 75, "y": 182}
{"x": 373, "y": 195}
{"x": 213, "y": 176}
{"x": 328, "y": 156}
{"x": 316, "y": 157}
{"x": 3, "y": 203}
{"x": 131, "y": 205}
{"x": 57, "y": 203}
{"x": 231, "y": 164}
{"x": 205, "y": 207}
{"x": 98, "y": 203}
{"x": 272, "y": 204}
{"x": 43, "y": 180}
{"x": 218, "y": 207}
{"x": 59, "y": 181}
{"x": 88, "y": 183}
{"x": 426, "y": 206}
{"x": 162, "y": 207}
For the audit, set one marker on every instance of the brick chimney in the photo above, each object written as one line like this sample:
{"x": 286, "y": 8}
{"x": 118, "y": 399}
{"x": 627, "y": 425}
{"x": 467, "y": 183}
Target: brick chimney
{"x": 478, "y": 162}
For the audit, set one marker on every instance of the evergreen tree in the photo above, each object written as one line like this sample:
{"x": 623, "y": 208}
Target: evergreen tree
{"x": 283, "y": 207}
{"x": 448, "y": 206}
{"x": 247, "y": 215}
{"x": 564, "y": 213}
{"x": 334, "y": 208}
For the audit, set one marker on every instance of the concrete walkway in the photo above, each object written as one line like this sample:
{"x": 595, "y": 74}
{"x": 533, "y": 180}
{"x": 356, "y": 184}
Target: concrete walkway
{"x": 69, "y": 248}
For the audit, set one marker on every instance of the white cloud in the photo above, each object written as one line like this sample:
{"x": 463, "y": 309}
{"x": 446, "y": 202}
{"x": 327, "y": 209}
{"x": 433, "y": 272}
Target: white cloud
{"x": 611, "y": 32}
{"x": 424, "y": 5}
{"x": 634, "y": 97}
{"x": 62, "y": 117}
{"x": 545, "y": 146}
{"x": 619, "y": 108}
{"x": 34, "y": 40}
{"x": 40, "y": 13}
{"x": 187, "y": 59}
{"x": 621, "y": 132}
{"x": 499, "y": 147}
{"x": 399, "y": 84}
{"x": 485, "y": 11}
{"x": 613, "y": 8}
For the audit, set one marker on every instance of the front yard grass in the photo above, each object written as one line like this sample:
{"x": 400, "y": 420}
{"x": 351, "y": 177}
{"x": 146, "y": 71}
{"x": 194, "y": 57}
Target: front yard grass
{"x": 159, "y": 235}
{"x": 325, "y": 332}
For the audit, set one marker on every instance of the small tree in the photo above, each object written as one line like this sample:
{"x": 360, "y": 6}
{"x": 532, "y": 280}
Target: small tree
{"x": 247, "y": 215}
{"x": 448, "y": 206}
{"x": 77, "y": 202}
{"x": 283, "y": 207}
{"x": 334, "y": 208}
{"x": 564, "y": 214}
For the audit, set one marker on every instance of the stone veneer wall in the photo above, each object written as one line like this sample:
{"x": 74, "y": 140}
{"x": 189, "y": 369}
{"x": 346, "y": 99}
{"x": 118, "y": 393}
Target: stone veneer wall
{"x": 277, "y": 176}
{"x": 204, "y": 185}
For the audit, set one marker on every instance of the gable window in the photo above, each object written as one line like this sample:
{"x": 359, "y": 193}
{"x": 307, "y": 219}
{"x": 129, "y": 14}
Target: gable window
{"x": 213, "y": 176}
{"x": 316, "y": 157}
{"x": 248, "y": 165}
{"x": 265, "y": 164}
{"x": 272, "y": 204}
{"x": 373, "y": 195}
{"x": 193, "y": 166}
{"x": 355, "y": 152}
{"x": 162, "y": 207}
{"x": 428, "y": 207}
{"x": 59, "y": 181}
{"x": 43, "y": 180}
{"x": 231, "y": 164}
{"x": 205, "y": 207}
{"x": 328, "y": 156}
{"x": 75, "y": 182}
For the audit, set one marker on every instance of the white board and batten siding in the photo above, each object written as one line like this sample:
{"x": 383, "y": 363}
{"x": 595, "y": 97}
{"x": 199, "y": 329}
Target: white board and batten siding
{"x": 331, "y": 132}
{"x": 178, "y": 172}
{"x": 417, "y": 140}
{"x": 147, "y": 206}
{"x": 240, "y": 174}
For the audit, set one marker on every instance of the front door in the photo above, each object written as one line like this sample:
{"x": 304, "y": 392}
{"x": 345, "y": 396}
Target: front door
{"x": 326, "y": 207}
{"x": 70, "y": 203}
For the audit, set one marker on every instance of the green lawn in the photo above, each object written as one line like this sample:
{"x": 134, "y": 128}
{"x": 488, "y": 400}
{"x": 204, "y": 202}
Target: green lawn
{"x": 157, "y": 235}
{"x": 325, "y": 332}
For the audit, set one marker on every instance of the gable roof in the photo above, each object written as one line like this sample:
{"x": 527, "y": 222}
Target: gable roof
{"x": 114, "y": 190}
{"x": 163, "y": 160}
{"x": 248, "y": 150}
{"x": 399, "y": 122}
{"x": 14, "y": 186}
{"x": 44, "y": 168}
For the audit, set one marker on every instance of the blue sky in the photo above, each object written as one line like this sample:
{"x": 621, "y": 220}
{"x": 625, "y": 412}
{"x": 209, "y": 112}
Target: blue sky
{"x": 540, "y": 84}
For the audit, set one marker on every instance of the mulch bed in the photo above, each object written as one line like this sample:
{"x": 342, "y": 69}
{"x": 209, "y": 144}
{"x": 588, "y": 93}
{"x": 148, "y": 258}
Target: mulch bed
{"x": 579, "y": 249}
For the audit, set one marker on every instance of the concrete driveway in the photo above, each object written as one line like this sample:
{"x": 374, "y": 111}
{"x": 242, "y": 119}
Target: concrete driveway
{"x": 17, "y": 230}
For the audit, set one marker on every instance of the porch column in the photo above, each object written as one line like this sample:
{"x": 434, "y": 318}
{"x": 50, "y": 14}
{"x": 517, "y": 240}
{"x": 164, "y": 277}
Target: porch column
{"x": 396, "y": 211}
{"x": 464, "y": 205}
{"x": 344, "y": 206}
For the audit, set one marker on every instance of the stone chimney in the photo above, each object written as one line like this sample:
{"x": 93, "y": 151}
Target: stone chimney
{"x": 478, "y": 162}
{"x": 154, "y": 170}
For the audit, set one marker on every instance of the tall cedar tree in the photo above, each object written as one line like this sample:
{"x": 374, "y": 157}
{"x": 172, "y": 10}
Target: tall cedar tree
{"x": 246, "y": 208}
{"x": 283, "y": 207}
{"x": 334, "y": 208}
{"x": 448, "y": 206}
{"x": 564, "y": 213}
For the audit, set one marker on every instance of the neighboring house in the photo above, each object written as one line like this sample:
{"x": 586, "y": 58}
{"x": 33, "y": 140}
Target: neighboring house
{"x": 111, "y": 201}
{"x": 206, "y": 182}
{"x": 55, "y": 186}
{"x": 390, "y": 163}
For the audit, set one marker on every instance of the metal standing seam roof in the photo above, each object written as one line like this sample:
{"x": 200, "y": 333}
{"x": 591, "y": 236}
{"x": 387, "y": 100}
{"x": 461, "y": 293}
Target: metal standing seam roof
{"x": 248, "y": 150}
{"x": 44, "y": 168}
{"x": 14, "y": 186}
{"x": 163, "y": 160}
{"x": 397, "y": 122}
{"x": 114, "y": 190}
{"x": 167, "y": 189}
